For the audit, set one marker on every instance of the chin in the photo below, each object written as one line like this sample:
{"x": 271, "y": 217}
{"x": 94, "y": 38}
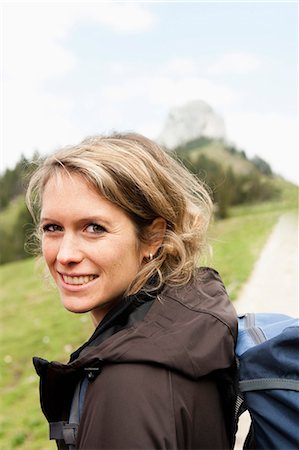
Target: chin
{"x": 75, "y": 306}
{"x": 76, "y": 310}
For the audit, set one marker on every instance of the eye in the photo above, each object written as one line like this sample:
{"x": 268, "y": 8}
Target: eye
{"x": 95, "y": 228}
{"x": 51, "y": 228}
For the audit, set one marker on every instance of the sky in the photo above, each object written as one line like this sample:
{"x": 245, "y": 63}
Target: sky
{"x": 72, "y": 69}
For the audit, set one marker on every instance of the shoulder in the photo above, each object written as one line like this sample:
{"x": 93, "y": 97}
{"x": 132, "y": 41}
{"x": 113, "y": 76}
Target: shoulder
{"x": 205, "y": 291}
{"x": 204, "y": 295}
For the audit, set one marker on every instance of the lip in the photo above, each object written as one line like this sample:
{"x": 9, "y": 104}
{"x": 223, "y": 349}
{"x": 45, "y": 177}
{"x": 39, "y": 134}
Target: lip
{"x": 75, "y": 287}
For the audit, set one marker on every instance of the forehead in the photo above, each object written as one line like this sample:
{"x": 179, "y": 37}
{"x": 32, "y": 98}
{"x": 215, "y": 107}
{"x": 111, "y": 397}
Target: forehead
{"x": 71, "y": 193}
{"x": 62, "y": 182}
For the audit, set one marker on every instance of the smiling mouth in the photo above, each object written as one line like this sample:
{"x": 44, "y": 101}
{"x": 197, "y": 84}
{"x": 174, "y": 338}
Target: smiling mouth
{"x": 78, "y": 280}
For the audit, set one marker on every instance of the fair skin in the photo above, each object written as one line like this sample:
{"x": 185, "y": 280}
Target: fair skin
{"x": 90, "y": 245}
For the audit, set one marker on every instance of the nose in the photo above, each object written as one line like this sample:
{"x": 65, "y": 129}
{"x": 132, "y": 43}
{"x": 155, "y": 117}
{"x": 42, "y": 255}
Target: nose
{"x": 69, "y": 250}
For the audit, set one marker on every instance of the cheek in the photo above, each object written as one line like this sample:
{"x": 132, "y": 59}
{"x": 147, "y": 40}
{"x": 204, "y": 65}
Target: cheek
{"x": 48, "y": 251}
{"x": 133, "y": 259}
{"x": 124, "y": 257}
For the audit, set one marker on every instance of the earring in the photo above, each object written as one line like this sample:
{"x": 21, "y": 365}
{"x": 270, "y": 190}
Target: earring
{"x": 150, "y": 256}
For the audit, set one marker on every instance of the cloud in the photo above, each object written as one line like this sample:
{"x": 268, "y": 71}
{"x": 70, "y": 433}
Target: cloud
{"x": 33, "y": 34}
{"x": 168, "y": 91}
{"x": 234, "y": 63}
{"x": 181, "y": 67}
{"x": 122, "y": 17}
{"x": 35, "y": 120}
{"x": 34, "y": 53}
{"x": 271, "y": 136}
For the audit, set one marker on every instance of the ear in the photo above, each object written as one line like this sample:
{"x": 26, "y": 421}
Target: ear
{"x": 155, "y": 236}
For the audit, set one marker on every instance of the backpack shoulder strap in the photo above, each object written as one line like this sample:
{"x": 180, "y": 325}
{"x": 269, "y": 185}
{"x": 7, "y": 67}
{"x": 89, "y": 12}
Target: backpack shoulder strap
{"x": 261, "y": 384}
{"x": 67, "y": 431}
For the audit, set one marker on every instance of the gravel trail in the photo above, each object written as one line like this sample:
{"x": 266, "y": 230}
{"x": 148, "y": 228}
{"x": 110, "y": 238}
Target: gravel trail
{"x": 273, "y": 284}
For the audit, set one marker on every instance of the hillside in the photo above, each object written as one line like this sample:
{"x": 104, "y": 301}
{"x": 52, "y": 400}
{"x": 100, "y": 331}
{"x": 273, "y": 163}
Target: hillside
{"x": 218, "y": 152}
{"x": 231, "y": 177}
{"x": 228, "y": 156}
{"x": 15, "y": 225}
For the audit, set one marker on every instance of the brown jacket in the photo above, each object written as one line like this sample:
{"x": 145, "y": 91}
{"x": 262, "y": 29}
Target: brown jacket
{"x": 164, "y": 381}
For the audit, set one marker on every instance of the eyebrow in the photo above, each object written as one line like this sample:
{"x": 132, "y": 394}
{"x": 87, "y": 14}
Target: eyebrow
{"x": 91, "y": 219}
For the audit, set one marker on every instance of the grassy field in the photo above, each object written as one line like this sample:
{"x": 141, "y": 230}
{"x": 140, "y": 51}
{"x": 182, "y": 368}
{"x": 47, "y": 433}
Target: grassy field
{"x": 34, "y": 323}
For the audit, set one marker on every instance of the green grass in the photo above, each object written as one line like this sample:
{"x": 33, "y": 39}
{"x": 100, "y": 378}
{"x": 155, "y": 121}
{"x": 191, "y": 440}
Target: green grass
{"x": 237, "y": 243}
{"x": 33, "y": 322}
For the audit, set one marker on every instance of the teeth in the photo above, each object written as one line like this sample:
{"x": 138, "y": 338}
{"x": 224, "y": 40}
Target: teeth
{"x": 78, "y": 280}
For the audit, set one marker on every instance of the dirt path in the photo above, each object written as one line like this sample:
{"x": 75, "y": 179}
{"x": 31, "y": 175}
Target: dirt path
{"x": 273, "y": 284}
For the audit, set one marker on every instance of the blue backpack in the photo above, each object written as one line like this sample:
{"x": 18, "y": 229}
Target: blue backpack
{"x": 268, "y": 357}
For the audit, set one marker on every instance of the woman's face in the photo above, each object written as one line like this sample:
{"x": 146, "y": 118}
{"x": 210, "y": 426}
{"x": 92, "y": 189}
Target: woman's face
{"x": 89, "y": 244}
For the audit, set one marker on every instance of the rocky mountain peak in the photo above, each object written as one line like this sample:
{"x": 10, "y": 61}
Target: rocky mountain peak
{"x": 191, "y": 121}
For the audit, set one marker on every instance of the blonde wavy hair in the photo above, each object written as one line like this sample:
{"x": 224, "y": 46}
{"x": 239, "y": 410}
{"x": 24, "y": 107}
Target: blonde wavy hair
{"x": 136, "y": 174}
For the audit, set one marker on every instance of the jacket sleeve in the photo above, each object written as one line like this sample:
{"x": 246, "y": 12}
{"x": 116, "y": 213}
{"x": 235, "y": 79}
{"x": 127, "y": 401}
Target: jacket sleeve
{"x": 139, "y": 406}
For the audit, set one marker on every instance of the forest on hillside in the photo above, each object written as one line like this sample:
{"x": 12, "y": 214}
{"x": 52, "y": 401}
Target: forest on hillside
{"x": 226, "y": 185}
{"x": 229, "y": 186}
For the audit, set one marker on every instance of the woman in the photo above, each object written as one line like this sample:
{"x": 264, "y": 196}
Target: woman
{"x": 122, "y": 225}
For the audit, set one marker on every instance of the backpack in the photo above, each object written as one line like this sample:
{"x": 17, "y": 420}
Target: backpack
{"x": 268, "y": 358}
